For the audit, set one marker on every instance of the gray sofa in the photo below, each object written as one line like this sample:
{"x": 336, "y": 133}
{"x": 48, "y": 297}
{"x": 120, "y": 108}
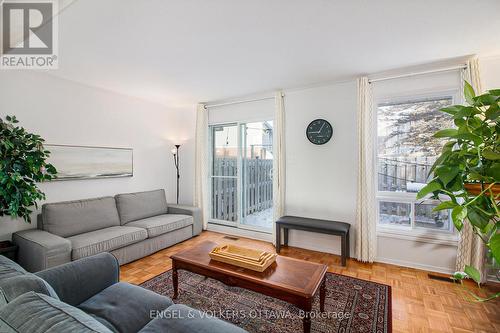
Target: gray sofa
{"x": 86, "y": 296}
{"x": 129, "y": 225}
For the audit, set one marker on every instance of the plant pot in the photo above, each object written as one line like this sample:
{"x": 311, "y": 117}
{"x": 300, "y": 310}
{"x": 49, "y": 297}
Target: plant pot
{"x": 475, "y": 188}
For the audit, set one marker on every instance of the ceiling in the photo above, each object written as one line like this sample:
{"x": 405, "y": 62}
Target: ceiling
{"x": 178, "y": 52}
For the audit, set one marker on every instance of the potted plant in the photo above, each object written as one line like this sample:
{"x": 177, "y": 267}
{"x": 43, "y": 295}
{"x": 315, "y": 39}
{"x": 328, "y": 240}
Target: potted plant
{"x": 23, "y": 164}
{"x": 468, "y": 171}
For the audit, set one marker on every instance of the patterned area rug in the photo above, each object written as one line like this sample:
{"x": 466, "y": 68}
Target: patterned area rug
{"x": 351, "y": 305}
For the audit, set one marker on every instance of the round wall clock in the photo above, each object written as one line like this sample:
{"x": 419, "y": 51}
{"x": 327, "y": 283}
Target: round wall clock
{"x": 319, "y": 131}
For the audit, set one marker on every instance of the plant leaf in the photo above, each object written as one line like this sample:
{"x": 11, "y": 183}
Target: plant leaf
{"x": 469, "y": 93}
{"x": 494, "y": 246}
{"x": 494, "y": 171}
{"x": 456, "y": 184}
{"x": 459, "y": 276}
{"x": 455, "y": 109}
{"x": 473, "y": 273}
{"x": 493, "y": 112}
{"x": 457, "y": 215}
{"x": 446, "y": 133}
{"x": 446, "y": 153}
{"x": 469, "y": 137}
{"x": 450, "y": 110}
{"x": 485, "y": 99}
{"x": 447, "y": 173}
{"x": 429, "y": 188}
{"x": 444, "y": 205}
{"x": 477, "y": 218}
{"x": 459, "y": 122}
{"x": 490, "y": 154}
{"x": 466, "y": 111}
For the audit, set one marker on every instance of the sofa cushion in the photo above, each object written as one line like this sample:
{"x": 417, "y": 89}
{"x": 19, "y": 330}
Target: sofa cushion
{"x": 76, "y": 281}
{"x": 15, "y": 281}
{"x": 37, "y": 313}
{"x": 8, "y": 268}
{"x": 71, "y": 218}
{"x": 105, "y": 240}
{"x": 179, "y": 318}
{"x": 3, "y": 299}
{"x": 124, "y": 307}
{"x": 15, "y": 286}
{"x": 140, "y": 205}
{"x": 161, "y": 224}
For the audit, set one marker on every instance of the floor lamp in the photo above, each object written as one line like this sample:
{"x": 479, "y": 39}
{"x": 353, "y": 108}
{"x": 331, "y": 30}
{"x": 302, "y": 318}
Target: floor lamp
{"x": 175, "y": 152}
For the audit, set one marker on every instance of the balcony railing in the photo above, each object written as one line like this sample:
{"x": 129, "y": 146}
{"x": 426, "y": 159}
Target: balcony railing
{"x": 398, "y": 175}
{"x": 257, "y": 187}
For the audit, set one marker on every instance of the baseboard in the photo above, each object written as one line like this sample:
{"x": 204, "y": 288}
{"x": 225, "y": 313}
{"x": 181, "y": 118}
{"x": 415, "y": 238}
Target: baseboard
{"x": 410, "y": 264}
{"x": 240, "y": 232}
{"x": 317, "y": 247}
{"x": 396, "y": 262}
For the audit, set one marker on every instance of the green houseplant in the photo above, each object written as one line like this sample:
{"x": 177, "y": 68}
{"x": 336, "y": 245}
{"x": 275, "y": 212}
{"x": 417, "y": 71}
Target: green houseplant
{"x": 23, "y": 164}
{"x": 468, "y": 171}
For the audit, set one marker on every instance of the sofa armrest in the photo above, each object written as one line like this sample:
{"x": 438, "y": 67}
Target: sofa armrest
{"x": 180, "y": 318}
{"x": 195, "y": 212}
{"x": 40, "y": 249}
{"x": 77, "y": 281}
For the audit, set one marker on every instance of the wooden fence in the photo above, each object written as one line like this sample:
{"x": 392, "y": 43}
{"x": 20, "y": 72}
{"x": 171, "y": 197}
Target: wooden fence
{"x": 396, "y": 175}
{"x": 257, "y": 184}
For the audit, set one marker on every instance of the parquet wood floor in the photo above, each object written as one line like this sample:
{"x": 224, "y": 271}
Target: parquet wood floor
{"x": 419, "y": 304}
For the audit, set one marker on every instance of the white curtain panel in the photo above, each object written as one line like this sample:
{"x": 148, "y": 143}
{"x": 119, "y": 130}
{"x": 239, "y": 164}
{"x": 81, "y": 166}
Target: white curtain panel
{"x": 201, "y": 163}
{"x": 471, "y": 249}
{"x": 278, "y": 160}
{"x": 366, "y": 209}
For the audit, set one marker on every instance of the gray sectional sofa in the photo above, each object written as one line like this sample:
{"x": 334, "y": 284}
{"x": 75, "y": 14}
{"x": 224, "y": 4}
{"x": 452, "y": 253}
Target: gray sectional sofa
{"x": 129, "y": 226}
{"x": 86, "y": 296}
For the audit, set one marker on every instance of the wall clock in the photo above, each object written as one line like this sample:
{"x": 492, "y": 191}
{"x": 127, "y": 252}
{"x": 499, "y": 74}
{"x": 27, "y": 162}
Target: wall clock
{"x": 319, "y": 131}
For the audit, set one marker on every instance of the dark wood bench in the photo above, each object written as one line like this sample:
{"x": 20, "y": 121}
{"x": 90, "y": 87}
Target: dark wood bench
{"x": 314, "y": 225}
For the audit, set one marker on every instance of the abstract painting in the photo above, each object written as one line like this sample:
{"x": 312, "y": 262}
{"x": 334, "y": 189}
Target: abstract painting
{"x": 84, "y": 162}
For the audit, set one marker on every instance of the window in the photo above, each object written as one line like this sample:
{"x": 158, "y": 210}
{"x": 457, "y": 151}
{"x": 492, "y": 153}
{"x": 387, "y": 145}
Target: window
{"x": 394, "y": 213}
{"x": 406, "y": 150}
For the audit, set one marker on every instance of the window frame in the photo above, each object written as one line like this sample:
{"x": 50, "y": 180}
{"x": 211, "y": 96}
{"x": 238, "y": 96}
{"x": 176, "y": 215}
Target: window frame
{"x": 211, "y": 175}
{"x": 411, "y": 232}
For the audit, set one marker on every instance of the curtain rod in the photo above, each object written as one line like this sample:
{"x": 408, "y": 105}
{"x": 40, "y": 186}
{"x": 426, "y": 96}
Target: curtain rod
{"x": 238, "y": 102}
{"x": 440, "y": 70}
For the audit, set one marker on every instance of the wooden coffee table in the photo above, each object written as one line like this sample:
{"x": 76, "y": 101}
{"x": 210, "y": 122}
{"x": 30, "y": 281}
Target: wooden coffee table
{"x": 292, "y": 280}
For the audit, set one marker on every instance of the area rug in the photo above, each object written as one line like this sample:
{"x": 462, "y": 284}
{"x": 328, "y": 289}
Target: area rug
{"x": 351, "y": 305}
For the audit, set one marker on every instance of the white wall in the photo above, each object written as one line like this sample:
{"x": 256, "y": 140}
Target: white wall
{"x": 64, "y": 112}
{"x": 321, "y": 180}
{"x": 490, "y": 71}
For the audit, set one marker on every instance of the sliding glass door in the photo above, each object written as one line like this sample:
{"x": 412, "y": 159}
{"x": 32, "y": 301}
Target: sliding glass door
{"x": 257, "y": 168}
{"x": 241, "y": 175}
{"x": 224, "y": 174}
